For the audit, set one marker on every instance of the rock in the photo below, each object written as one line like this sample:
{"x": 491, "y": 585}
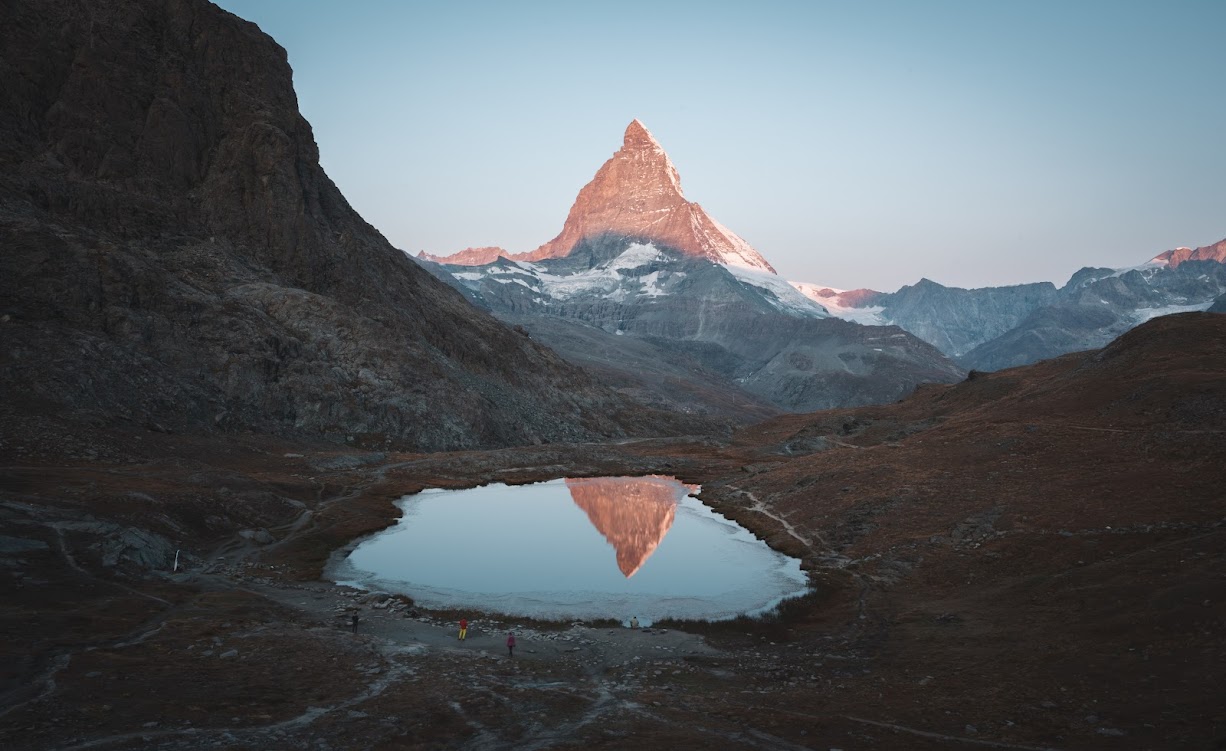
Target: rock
{"x": 19, "y": 545}
{"x": 128, "y": 545}
{"x": 261, "y": 536}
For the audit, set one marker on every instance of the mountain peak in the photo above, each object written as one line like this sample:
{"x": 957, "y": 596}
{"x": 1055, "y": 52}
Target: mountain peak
{"x": 637, "y": 193}
{"x": 1215, "y": 252}
{"x": 637, "y": 133}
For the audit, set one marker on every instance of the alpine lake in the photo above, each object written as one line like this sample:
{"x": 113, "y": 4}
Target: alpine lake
{"x": 605, "y": 547}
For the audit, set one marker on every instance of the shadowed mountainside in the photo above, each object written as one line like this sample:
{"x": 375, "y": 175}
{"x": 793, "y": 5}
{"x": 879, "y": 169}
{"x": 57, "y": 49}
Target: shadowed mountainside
{"x": 175, "y": 255}
{"x": 1062, "y": 522}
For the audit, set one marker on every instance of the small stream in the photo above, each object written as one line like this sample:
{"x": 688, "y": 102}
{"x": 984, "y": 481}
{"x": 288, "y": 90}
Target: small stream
{"x": 607, "y": 547}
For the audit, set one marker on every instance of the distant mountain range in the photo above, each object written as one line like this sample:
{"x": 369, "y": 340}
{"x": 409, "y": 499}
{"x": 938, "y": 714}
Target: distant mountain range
{"x": 642, "y": 286}
{"x": 1000, "y": 327}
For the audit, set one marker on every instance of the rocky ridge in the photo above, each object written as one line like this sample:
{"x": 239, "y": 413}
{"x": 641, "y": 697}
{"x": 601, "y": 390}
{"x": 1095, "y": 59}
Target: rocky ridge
{"x": 1215, "y": 252}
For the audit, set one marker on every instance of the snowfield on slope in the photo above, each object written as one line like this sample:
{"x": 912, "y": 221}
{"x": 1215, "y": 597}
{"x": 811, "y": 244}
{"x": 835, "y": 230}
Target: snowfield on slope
{"x": 867, "y": 316}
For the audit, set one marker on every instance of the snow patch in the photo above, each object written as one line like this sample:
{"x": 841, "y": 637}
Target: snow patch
{"x": 737, "y": 252}
{"x": 781, "y": 294}
{"x": 867, "y": 316}
{"x": 1141, "y": 315}
{"x": 607, "y": 279}
{"x": 1146, "y": 268}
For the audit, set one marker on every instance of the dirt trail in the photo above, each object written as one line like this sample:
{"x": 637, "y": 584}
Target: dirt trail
{"x": 595, "y": 648}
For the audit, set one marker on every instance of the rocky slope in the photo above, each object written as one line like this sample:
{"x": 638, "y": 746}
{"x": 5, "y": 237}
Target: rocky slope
{"x": 749, "y": 329}
{"x": 955, "y": 320}
{"x": 175, "y": 255}
{"x": 637, "y": 194}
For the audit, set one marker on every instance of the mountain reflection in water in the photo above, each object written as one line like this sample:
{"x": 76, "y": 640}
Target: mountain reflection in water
{"x": 542, "y": 550}
{"x": 633, "y": 513}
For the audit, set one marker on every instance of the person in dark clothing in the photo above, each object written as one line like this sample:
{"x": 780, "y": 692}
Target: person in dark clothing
{"x": 353, "y": 621}
{"x": 510, "y": 644}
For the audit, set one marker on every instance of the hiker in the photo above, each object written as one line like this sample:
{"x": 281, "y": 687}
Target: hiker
{"x": 634, "y": 621}
{"x": 463, "y": 628}
{"x": 353, "y": 621}
{"x": 510, "y": 644}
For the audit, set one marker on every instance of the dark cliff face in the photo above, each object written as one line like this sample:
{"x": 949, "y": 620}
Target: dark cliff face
{"x": 174, "y": 253}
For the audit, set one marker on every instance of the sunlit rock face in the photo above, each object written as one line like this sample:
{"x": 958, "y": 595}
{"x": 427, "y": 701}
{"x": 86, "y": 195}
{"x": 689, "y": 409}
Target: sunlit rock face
{"x": 636, "y": 193}
{"x": 468, "y": 256}
{"x": 1215, "y": 252}
{"x": 633, "y": 513}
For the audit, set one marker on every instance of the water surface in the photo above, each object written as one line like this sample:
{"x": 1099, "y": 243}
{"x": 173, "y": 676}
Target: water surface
{"x": 611, "y": 547}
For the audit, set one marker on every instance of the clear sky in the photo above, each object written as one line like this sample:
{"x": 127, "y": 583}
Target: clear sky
{"x": 854, "y": 144}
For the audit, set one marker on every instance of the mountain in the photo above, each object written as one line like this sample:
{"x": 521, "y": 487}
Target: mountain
{"x": 1097, "y": 305}
{"x": 637, "y": 193}
{"x": 953, "y": 320}
{"x": 175, "y": 255}
{"x": 1215, "y": 252}
{"x": 677, "y": 311}
{"x": 999, "y": 327}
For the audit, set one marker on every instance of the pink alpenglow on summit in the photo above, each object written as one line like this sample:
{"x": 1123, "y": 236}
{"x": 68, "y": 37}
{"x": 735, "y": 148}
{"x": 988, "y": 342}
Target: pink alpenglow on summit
{"x": 637, "y": 193}
{"x": 1215, "y": 252}
{"x": 468, "y": 256}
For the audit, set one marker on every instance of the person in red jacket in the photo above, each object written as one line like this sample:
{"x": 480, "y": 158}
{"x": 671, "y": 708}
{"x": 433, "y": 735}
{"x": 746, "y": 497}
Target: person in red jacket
{"x": 463, "y": 628}
{"x": 510, "y": 644}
